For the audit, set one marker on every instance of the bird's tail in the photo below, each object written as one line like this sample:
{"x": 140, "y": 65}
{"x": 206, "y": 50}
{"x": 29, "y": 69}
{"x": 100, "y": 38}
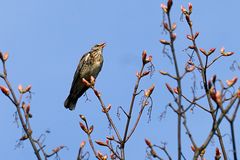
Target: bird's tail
{"x": 70, "y": 102}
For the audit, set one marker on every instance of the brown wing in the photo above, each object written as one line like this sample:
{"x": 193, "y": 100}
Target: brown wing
{"x": 78, "y": 88}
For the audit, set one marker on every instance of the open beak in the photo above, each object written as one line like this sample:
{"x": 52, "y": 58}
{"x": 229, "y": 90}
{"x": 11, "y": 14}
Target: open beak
{"x": 103, "y": 45}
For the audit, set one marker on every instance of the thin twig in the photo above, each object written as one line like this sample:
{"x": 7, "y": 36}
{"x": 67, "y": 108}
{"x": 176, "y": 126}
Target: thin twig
{"x": 213, "y": 61}
{"x": 164, "y": 150}
{"x": 194, "y": 102}
{"x": 17, "y": 105}
{"x": 138, "y": 119}
{"x": 107, "y": 114}
{"x": 215, "y": 126}
{"x": 188, "y": 131}
{"x": 179, "y": 86}
{"x": 130, "y": 112}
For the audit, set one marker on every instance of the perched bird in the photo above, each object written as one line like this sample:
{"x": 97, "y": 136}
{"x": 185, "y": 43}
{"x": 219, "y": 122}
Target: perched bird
{"x": 89, "y": 65}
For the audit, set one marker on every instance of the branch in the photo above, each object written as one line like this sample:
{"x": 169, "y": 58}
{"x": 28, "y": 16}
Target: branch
{"x": 138, "y": 118}
{"x": 104, "y": 109}
{"x": 215, "y": 126}
{"x": 141, "y": 74}
{"x": 14, "y": 100}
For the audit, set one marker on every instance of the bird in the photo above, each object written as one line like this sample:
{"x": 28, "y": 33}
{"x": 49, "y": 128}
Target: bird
{"x": 89, "y": 65}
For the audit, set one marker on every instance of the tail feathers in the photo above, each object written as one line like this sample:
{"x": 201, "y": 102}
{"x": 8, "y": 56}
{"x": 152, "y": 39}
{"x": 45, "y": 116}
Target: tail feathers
{"x": 70, "y": 102}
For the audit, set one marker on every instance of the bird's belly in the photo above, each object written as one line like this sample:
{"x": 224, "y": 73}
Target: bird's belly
{"x": 91, "y": 70}
{"x": 96, "y": 68}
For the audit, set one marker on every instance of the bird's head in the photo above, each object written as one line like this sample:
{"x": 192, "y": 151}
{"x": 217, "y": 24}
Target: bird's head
{"x": 99, "y": 46}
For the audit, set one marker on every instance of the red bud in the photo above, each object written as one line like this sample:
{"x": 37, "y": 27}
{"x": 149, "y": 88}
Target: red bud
{"x": 214, "y": 78}
{"x": 144, "y": 56}
{"x": 149, "y": 91}
{"x": 184, "y": 11}
{"x": 196, "y": 35}
{"x": 212, "y": 93}
{"x": 222, "y": 50}
{"x": 101, "y": 143}
{"x": 57, "y": 149}
{"x": 176, "y": 90}
{"x": 217, "y": 154}
{"x": 27, "y": 108}
{"x": 148, "y": 142}
{"x": 164, "y": 42}
{"x": 5, "y": 56}
{"x": 83, "y": 143}
{"x": 218, "y": 98}
{"x": 90, "y": 130}
{"x": 163, "y": 72}
{"x": 203, "y": 51}
{"x": 83, "y": 127}
{"x": 5, "y": 90}
{"x": 82, "y": 117}
{"x": 105, "y": 110}
{"x": 232, "y": 81}
{"x": 166, "y": 26}
{"x": 173, "y": 36}
{"x": 28, "y": 88}
{"x": 24, "y": 137}
{"x": 109, "y": 107}
{"x": 211, "y": 51}
{"x": 101, "y": 157}
{"x": 169, "y": 88}
{"x": 190, "y": 8}
{"x": 190, "y": 37}
{"x": 164, "y": 8}
{"x": 227, "y": 53}
{"x": 169, "y": 5}
{"x": 174, "y": 26}
{"x": 191, "y": 47}
{"x": 20, "y": 88}
{"x": 110, "y": 138}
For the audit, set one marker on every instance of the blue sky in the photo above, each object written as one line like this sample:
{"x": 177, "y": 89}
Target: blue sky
{"x": 45, "y": 40}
